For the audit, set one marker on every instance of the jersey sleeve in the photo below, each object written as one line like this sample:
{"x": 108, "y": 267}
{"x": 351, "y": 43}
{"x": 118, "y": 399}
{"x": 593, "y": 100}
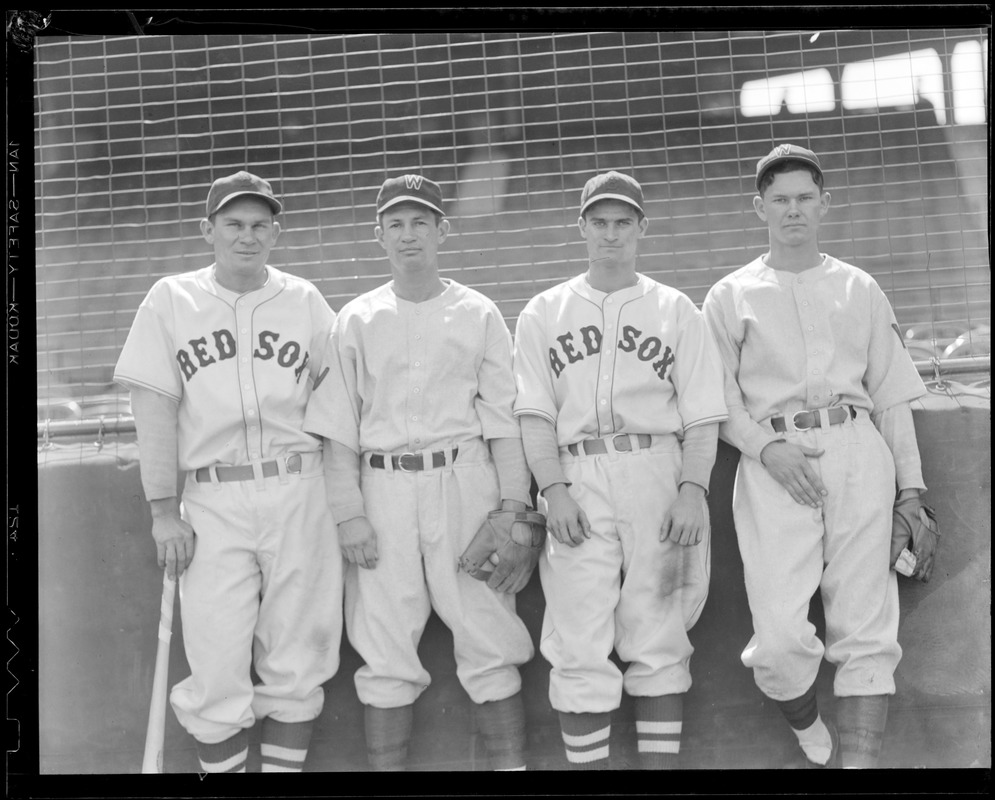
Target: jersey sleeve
{"x": 891, "y": 376}
{"x": 333, "y": 410}
{"x": 323, "y": 318}
{"x": 740, "y": 430}
{"x": 495, "y": 398}
{"x": 697, "y": 372}
{"x": 533, "y": 377}
{"x": 148, "y": 359}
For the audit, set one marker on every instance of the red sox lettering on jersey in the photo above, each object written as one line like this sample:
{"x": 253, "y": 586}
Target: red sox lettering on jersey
{"x": 224, "y": 347}
{"x": 646, "y": 348}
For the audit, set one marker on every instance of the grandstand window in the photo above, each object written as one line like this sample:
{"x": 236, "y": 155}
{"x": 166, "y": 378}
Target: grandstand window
{"x": 811, "y": 91}
{"x": 967, "y": 73}
{"x": 901, "y": 80}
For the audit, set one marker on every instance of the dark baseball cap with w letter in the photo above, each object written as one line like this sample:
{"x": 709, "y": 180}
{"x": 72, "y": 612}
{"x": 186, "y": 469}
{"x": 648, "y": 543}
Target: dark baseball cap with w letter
{"x": 786, "y": 152}
{"x": 410, "y": 189}
{"x": 241, "y": 184}
{"x": 612, "y": 186}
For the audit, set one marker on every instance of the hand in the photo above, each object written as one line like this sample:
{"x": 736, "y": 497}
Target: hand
{"x": 686, "y": 521}
{"x": 788, "y": 464}
{"x": 565, "y": 520}
{"x": 174, "y": 538}
{"x": 358, "y": 541}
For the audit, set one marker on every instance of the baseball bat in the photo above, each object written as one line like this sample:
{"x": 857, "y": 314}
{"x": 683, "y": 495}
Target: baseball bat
{"x": 156, "y": 732}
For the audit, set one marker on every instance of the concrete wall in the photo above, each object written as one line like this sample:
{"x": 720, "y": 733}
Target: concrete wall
{"x": 99, "y": 597}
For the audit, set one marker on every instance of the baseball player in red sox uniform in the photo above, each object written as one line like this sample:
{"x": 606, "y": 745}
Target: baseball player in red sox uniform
{"x": 818, "y": 388}
{"x": 220, "y": 363}
{"x": 417, "y": 411}
{"x": 619, "y": 397}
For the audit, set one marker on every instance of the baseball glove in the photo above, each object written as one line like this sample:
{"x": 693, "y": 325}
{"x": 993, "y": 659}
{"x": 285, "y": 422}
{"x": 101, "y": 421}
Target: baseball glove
{"x": 915, "y": 536}
{"x": 505, "y": 549}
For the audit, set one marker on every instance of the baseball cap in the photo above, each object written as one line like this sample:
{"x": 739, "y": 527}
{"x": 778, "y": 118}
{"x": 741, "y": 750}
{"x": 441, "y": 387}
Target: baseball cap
{"x": 410, "y": 189}
{"x": 612, "y": 186}
{"x": 786, "y": 152}
{"x": 224, "y": 190}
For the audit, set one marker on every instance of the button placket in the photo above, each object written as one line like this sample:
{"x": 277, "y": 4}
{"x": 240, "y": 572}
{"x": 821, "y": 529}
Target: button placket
{"x": 246, "y": 379}
{"x": 814, "y": 346}
{"x": 606, "y": 365}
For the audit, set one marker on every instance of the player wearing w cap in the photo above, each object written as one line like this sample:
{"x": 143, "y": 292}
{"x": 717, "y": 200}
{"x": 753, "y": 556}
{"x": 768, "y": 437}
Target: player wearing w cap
{"x": 818, "y": 388}
{"x": 619, "y": 397}
{"x": 417, "y": 408}
{"x": 221, "y": 363}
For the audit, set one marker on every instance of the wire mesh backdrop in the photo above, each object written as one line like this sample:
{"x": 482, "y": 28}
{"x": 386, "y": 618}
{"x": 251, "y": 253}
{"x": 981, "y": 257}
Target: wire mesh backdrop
{"x": 131, "y": 131}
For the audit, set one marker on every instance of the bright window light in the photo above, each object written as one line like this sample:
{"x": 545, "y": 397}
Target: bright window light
{"x": 967, "y": 73}
{"x": 809, "y": 91}
{"x": 900, "y": 80}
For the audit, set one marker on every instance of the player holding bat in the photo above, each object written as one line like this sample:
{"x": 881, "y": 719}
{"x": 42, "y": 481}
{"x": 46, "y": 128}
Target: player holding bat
{"x": 221, "y": 363}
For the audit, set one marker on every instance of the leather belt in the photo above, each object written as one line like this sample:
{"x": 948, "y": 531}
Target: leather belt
{"x": 412, "y": 462}
{"x": 806, "y": 419}
{"x": 245, "y": 473}
{"x": 622, "y": 442}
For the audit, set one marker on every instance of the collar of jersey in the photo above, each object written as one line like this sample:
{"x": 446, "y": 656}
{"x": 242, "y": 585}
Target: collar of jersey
{"x": 579, "y": 285}
{"x": 274, "y": 283}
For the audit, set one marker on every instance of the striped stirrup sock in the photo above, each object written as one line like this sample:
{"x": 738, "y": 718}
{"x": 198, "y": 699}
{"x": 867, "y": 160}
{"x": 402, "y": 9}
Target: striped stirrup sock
{"x": 502, "y": 725}
{"x": 284, "y": 745}
{"x": 586, "y": 739}
{"x": 813, "y": 736}
{"x": 227, "y": 756}
{"x": 658, "y": 730}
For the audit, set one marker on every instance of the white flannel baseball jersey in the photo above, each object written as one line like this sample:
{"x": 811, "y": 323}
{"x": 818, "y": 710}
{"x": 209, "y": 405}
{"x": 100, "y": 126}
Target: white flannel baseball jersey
{"x": 638, "y": 360}
{"x": 241, "y": 367}
{"x": 826, "y": 336}
{"x": 408, "y": 377}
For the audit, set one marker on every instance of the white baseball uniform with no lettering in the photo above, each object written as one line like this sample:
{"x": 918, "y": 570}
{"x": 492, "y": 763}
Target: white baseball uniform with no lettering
{"x": 636, "y": 361}
{"x": 429, "y": 377}
{"x": 265, "y": 584}
{"x": 821, "y": 338}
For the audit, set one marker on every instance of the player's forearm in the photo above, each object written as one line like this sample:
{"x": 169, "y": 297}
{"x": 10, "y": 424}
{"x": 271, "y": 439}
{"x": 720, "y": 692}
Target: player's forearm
{"x": 342, "y": 471}
{"x": 513, "y": 472}
{"x": 898, "y": 430}
{"x": 744, "y": 434}
{"x": 156, "y": 424}
{"x": 542, "y": 451}
{"x": 700, "y": 443}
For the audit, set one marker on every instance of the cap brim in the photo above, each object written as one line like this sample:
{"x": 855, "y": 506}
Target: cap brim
{"x": 611, "y": 196}
{"x": 404, "y": 198}
{"x": 272, "y": 201}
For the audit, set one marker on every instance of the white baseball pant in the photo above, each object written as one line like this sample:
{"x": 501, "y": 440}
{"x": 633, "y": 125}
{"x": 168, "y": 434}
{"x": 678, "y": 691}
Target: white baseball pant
{"x": 623, "y": 587}
{"x": 423, "y": 521}
{"x": 790, "y": 551}
{"x": 264, "y": 588}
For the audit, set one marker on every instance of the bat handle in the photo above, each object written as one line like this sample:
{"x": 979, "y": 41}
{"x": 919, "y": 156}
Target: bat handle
{"x": 155, "y": 733}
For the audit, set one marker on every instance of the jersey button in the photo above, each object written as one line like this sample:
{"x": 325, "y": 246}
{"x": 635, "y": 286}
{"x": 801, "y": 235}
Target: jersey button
{"x": 811, "y": 327}
{"x": 418, "y": 363}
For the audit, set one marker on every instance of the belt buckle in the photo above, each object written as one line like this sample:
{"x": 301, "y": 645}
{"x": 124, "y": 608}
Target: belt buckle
{"x": 797, "y": 427}
{"x": 624, "y": 437}
{"x": 401, "y": 463}
{"x": 294, "y": 463}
